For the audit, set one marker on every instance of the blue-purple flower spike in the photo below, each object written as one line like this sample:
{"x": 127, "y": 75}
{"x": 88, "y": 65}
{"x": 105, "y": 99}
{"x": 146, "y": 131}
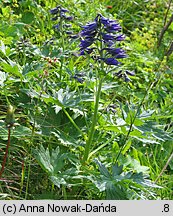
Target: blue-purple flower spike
{"x": 108, "y": 33}
{"x": 60, "y": 14}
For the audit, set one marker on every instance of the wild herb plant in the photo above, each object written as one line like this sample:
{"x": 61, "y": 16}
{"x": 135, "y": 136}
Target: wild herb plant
{"x": 62, "y": 29}
{"x": 100, "y": 40}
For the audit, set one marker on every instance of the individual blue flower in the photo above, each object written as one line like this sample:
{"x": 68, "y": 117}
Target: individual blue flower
{"x": 109, "y": 43}
{"x": 74, "y": 36}
{"x": 110, "y": 25}
{"x": 114, "y": 51}
{"x": 88, "y": 33}
{"x": 124, "y": 75}
{"x": 64, "y": 10}
{"x": 54, "y": 10}
{"x": 88, "y": 51}
{"x": 107, "y": 37}
{"x": 69, "y": 18}
{"x": 90, "y": 27}
{"x": 69, "y": 32}
{"x": 54, "y": 18}
{"x": 110, "y": 61}
{"x": 120, "y": 37}
{"x": 111, "y": 28}
{"x": 121, "y": 55}
{"x": 103, "y": 20}
{"x": 126, "y": 78}
{"x": 86, "y": 43}
{"x": 79, "y": 77}
{"x": 67, "y": 25}
{"x": 131, "y": 73}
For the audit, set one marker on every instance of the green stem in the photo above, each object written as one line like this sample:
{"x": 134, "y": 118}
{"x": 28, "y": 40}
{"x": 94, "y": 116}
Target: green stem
{"x": 30, "y": 150}
{"x": 101, "y": 146}
{"x": 74, "y": 124}
{"x": 29, "y": 163}
{"x": 164, "y": 168}
{"x": 22, "y": 178}
{"x": 133, "y": 120}
{"x": 98, "y": 93}
{"x": 94, "y": 122}
{"x": 64, "y": 192}
{"x": 63, "y": 48}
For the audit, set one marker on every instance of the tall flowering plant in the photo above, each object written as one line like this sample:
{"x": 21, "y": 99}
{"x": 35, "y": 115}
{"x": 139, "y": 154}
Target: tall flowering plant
{"x": 100, "y": 39}
{"x": 60, "y": 14}
{"x": 62, "y": 27}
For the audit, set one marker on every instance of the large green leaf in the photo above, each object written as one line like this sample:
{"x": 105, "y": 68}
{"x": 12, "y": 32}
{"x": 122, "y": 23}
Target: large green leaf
{"x": 119, "y": 184}
{"x": 52, "y": 162}
{"x": 43, "y": 157}
{"x": 103, "y": 170}
{"x": 11, "y": 68}
{"x": 64, "y": 139}
{"x": 58, "y": 181}
{"x": 28, "y": 17}
{"x": 115, "y": 192}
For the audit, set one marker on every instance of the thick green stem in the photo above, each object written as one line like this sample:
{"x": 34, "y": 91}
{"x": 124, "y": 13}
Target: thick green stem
{"x": 94, "y": 122}
{"x": 98, "y": 93}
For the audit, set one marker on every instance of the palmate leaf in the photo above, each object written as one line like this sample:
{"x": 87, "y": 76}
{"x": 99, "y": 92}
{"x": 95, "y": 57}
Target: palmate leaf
{"x": 11, "y": 68}
{"x": 146, "y": 114}
{"x": 58, "y": 181}
{"x": 119, "y": 184}
{"x": 69, "y": 99}
{"x": 64, "y": 139}
{"x": 103, "y": 170}
{"x": 43, "y": 157}
{"x": 51, "y": 162}
{"x": 116, "y": 170}
{"x": 64, "y": 177}
{"x": 115, "y": 192}
{"x": 135, "y": 165}
{"x": 66, "y": 99}
{"x": 152, "y": 129}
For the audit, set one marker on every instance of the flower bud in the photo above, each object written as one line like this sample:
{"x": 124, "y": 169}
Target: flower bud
{"x": 10, "y": 120}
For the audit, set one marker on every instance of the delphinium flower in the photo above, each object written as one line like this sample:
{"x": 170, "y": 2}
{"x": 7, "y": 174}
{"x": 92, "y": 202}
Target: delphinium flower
{"x": 60, "y": 14}
{"x": 100, "y": 39}
{"x": 63, "y": 30}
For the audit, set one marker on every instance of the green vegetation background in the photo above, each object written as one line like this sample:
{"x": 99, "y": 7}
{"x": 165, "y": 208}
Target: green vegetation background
{"x": 46, "y": 147}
